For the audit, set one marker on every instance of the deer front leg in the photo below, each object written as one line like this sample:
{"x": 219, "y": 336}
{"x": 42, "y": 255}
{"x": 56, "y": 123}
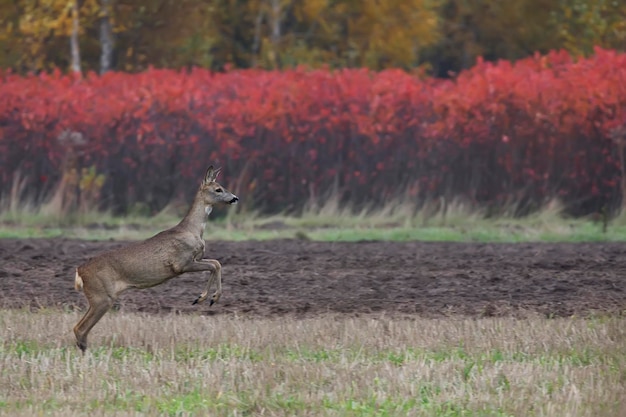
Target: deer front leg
{"x": 215, "y": 270}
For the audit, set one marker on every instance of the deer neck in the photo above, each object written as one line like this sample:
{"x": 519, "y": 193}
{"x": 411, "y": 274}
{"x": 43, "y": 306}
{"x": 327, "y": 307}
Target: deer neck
{"x": 197, "y": 216}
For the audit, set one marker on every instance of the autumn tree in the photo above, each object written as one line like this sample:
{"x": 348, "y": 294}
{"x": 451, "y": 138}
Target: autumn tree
{"x": 392, "y": 33}
{"x": 584, "y": 24}
{"x": 165, "y": 33}
{"x": 41, "y": 34}
{"x": 444, "y": 35}
{"x": 491, "y": 29}
{"x": 340, "y": 33}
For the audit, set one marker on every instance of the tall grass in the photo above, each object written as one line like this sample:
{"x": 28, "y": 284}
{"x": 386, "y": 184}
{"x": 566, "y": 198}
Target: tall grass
{"x": 401, "y": 219}
{"x": 327, "y": 366}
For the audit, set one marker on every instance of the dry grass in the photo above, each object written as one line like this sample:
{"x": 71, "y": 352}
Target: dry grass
{"x": 401, "y": 219}
{"x": 327, "y": 366}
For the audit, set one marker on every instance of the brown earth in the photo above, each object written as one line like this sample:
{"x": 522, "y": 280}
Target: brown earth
{"x": 307, "y": 278}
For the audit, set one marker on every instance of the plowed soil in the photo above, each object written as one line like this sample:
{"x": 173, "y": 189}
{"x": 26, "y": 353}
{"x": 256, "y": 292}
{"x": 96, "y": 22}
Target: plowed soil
{"x": 302, "y": 278}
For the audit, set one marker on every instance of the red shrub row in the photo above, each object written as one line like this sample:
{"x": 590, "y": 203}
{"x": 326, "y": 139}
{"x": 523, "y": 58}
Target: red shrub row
{"x": 523, "y": 132}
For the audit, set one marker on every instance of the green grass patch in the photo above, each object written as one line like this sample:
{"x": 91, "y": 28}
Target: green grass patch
{"x": 221, "y": 352}
{"x": 484, "y": 231}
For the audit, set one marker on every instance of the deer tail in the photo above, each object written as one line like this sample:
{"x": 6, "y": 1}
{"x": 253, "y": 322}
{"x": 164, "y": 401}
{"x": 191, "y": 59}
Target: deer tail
{"x": 78, "y": 282}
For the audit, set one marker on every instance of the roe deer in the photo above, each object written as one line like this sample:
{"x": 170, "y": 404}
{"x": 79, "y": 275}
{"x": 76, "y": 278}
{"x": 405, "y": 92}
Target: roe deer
{"x": 153, "y": 261}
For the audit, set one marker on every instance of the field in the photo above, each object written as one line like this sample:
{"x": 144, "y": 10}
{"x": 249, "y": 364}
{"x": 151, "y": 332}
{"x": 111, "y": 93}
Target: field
{"x": 329, "y": 329}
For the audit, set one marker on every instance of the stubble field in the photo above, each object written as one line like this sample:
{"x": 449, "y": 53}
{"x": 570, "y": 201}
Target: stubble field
{"x": 311, "y": 328}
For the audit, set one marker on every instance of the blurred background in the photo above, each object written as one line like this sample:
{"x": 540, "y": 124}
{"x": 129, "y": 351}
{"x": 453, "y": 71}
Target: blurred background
{"x": 502, "y": 107}
{"x": 441, "y": 37}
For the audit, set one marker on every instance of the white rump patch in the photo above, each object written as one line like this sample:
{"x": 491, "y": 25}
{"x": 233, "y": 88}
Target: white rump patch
{"x": 78, "y": 282}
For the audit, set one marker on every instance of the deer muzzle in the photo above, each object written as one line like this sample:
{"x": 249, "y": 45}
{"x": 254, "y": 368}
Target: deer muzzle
{"x": 234, "y": 200}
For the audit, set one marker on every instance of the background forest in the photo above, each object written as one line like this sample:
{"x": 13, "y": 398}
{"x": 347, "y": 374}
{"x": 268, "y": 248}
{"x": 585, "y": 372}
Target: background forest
{"x": 441, "y": 37}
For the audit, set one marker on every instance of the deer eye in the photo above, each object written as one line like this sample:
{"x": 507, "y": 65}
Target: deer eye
{"x": 218, "y": 190}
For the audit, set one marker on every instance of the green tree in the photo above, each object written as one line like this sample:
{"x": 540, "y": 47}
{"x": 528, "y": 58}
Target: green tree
{"x": 163, "y": 33}
{"x": 583, "y": 24}
{"x": 492, "y": 29}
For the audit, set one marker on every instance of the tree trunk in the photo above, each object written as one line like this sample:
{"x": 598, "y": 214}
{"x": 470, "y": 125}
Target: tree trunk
{"x": 620, "y": 149}
{"x": 256, "y": 44}
{"x": 106, "y": 37}
{"x": 618, "y": 135}
{"x": 276, "y": 15}
{"x": 74, "y": 47}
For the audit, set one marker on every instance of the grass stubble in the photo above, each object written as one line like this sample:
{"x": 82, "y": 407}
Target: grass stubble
{"x": 183, "y": 365}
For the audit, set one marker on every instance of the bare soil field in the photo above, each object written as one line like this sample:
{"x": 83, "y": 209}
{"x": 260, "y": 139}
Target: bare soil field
{"x": 303, "y": 278}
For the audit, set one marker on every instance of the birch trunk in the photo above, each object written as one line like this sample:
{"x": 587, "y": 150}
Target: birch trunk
{"x": 74, "y": 47}
{"x": 106, "y": 37}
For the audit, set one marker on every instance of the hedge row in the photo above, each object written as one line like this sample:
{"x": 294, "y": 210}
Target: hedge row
{"x": 503, "y": 132}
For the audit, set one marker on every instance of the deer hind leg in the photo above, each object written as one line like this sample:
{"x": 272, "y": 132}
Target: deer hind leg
{"x": 97, "y": 308}
{"x": 215, "y": 275}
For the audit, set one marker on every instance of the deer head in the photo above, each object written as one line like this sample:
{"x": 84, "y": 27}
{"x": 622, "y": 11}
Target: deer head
{"x": 213, "y": 193}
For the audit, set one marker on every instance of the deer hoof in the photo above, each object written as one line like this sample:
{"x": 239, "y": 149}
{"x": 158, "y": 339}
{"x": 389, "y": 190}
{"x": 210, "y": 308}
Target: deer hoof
{"x": 199, "y": 299}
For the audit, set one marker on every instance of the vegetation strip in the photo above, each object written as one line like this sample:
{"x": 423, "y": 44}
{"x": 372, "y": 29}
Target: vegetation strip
{"x": 369, "y": 366}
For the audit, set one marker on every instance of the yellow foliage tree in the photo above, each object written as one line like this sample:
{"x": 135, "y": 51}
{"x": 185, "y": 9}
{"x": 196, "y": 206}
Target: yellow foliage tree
{"x": 373, "y": 33}
{"x": 35, "y": 27}
{"x": 390, "y": 33}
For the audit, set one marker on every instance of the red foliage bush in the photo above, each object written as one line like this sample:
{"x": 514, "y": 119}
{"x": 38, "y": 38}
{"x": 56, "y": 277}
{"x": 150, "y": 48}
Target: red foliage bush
{"x": 525, "y": 132}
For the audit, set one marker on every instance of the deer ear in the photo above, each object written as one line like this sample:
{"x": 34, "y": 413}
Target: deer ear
{"x": 211, "y": 174}
{"x": 208, "y": 177}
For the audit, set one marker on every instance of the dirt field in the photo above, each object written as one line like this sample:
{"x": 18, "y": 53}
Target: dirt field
{"x": 307, "y": 278}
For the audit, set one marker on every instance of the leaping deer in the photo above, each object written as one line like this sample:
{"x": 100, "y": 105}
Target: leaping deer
{"x": 153, "y": 261}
